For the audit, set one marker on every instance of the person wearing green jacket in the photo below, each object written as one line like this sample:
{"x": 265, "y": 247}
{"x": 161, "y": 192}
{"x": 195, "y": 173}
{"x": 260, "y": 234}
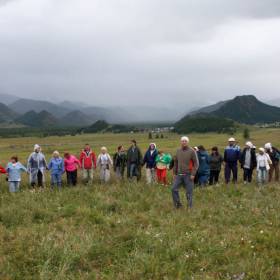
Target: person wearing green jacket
{"x": 162, "y": 164}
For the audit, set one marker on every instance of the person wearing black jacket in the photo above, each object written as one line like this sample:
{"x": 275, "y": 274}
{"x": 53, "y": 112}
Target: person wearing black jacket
{"x": 248, "y": 162}
{"x": 134, "y": 161}
{"x": 119, "y": 162}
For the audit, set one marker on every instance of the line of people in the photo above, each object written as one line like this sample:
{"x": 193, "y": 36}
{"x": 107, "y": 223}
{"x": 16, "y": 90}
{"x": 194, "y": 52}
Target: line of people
{"x": 191, "y": 166}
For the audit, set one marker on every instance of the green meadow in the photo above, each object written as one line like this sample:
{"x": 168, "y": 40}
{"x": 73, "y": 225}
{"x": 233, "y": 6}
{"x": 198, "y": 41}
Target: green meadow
{"x": 131, "y": 230}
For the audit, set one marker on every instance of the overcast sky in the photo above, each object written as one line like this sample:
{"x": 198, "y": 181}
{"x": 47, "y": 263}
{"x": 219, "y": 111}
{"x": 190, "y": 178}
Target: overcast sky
{"x": 163, "y": 52}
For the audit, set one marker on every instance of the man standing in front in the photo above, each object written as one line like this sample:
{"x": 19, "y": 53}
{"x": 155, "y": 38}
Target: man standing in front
{"x": 185, "y": 167}
{"x": 88, "y": 163}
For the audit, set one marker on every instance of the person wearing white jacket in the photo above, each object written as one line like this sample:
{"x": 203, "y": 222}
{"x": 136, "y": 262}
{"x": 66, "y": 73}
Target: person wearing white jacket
{"x": 263, "y": 166}
{"x": 104, "y": 162}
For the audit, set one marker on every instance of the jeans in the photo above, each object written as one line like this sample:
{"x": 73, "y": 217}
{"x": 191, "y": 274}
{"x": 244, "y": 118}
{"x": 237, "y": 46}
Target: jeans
{"x": 150, "y": 175}
{"x": 203, "y": 179}
{"x": 14, "y": 186}
{"x": 231, "y": 167}
{"x": 134, "y": 171}
{"x": 88, "y": 176}
{"x": 72, "y": 178}
{"x": 188, "y": 184}
{"x": 262, "y": 175}
{"x": 214, "y": 177}
{"x": 56, "y": 180}
{"x": 247, "y": 175}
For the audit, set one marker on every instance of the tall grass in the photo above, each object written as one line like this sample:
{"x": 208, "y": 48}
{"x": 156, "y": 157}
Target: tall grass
{"x": 132, "y": 231}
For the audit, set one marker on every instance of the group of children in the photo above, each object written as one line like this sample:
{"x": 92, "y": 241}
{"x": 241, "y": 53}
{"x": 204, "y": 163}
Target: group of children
{"x": 157, "y": 163}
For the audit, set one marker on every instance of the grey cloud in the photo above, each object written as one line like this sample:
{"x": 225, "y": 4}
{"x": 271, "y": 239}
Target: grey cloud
{"x": 125, "y": 52}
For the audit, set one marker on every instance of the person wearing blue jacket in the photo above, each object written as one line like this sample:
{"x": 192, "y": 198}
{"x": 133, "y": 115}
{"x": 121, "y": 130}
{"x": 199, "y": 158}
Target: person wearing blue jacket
{"x": 231, "y": 158}
{"x": 150, "y": 162}
{"x": 56, "y": 166}
{"x": 204, "y": 168}
{"x": 14, "y": 170}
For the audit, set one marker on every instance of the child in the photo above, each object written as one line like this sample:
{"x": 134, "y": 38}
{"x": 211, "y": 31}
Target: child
{"x": 56, "y": 166}
{"x": 71, "y": 165}
{"x": 263, "y": 162}
{"x": 14, "y": 170}
{"x": 162, "y": 165}
{"x": 120, "y": 162}
{"x": 104, "y": 161}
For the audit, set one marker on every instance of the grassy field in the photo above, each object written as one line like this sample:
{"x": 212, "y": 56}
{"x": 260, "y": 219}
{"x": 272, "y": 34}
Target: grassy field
{"x": 131, "y": 231}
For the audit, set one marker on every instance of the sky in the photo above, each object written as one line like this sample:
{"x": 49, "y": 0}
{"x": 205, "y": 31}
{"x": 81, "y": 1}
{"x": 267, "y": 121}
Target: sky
{"x": 156, "y": 52}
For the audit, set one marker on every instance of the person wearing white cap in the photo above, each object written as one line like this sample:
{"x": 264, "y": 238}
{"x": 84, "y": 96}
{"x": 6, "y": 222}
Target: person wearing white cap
{"x": 248, "y": 162}
{"x": 263, "y": 166}
{"x": 185, "y": 167}
{"x": 274, "y": 155}
{"x": 36, "y": 166}
{"x": 231, "y": 158}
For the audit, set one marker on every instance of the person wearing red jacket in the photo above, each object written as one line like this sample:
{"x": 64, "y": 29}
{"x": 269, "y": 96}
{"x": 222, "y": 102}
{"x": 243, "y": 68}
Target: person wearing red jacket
{"x": 2, "y": 170}
{"x": 88, "y": 163}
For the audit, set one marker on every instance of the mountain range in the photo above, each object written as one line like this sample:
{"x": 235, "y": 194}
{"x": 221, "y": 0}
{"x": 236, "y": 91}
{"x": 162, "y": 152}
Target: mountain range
{"x": 245, "y": 109}
{"x": 67, "y": 113}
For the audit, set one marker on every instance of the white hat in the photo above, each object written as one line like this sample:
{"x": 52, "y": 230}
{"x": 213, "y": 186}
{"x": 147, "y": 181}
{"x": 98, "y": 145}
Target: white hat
{"x": 185, "y": 138}
{"x": 231, "y": 139}
{"x": 36, "y": 147}
{"x": 261, "y": 150}
{"x": 268, "y": 146}
{"x": 249, "y": 144}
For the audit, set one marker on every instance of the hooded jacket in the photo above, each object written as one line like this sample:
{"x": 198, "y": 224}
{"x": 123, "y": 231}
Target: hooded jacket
{"x": 150, "y": 158}
{"x": 88, "y": 159}
{"x": 203, "y": 159}
{"x": 253, "y": 164}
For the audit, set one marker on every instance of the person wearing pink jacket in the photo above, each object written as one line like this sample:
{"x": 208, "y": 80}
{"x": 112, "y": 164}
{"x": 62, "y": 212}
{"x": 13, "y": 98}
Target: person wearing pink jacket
{"x": 71, "y": 165}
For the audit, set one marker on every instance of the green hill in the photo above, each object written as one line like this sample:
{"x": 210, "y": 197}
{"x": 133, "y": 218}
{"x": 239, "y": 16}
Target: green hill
{"x": 33, "y": 119}
{"x": 205, "y": 123}
{"x": 249, "y": 110}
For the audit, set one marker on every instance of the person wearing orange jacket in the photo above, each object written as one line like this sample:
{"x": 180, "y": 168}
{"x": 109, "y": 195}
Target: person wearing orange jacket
{"x": 88, "y": 164}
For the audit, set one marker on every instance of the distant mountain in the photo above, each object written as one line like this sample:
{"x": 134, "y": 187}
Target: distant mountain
{"x": 249, "y": 110}
{"x": 6, "y": 114}
{"x": 76, "y": 118}
{"x": 34, "y": 119}
{"x": 23, "y": 106}
{"x": 8, "y": 99}
{"x": 220, "y": 117}
{"x": 243, "y": 109}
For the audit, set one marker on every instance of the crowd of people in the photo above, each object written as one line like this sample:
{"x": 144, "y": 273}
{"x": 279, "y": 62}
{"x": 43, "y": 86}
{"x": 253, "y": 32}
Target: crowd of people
{"x": 190, "y": 166}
